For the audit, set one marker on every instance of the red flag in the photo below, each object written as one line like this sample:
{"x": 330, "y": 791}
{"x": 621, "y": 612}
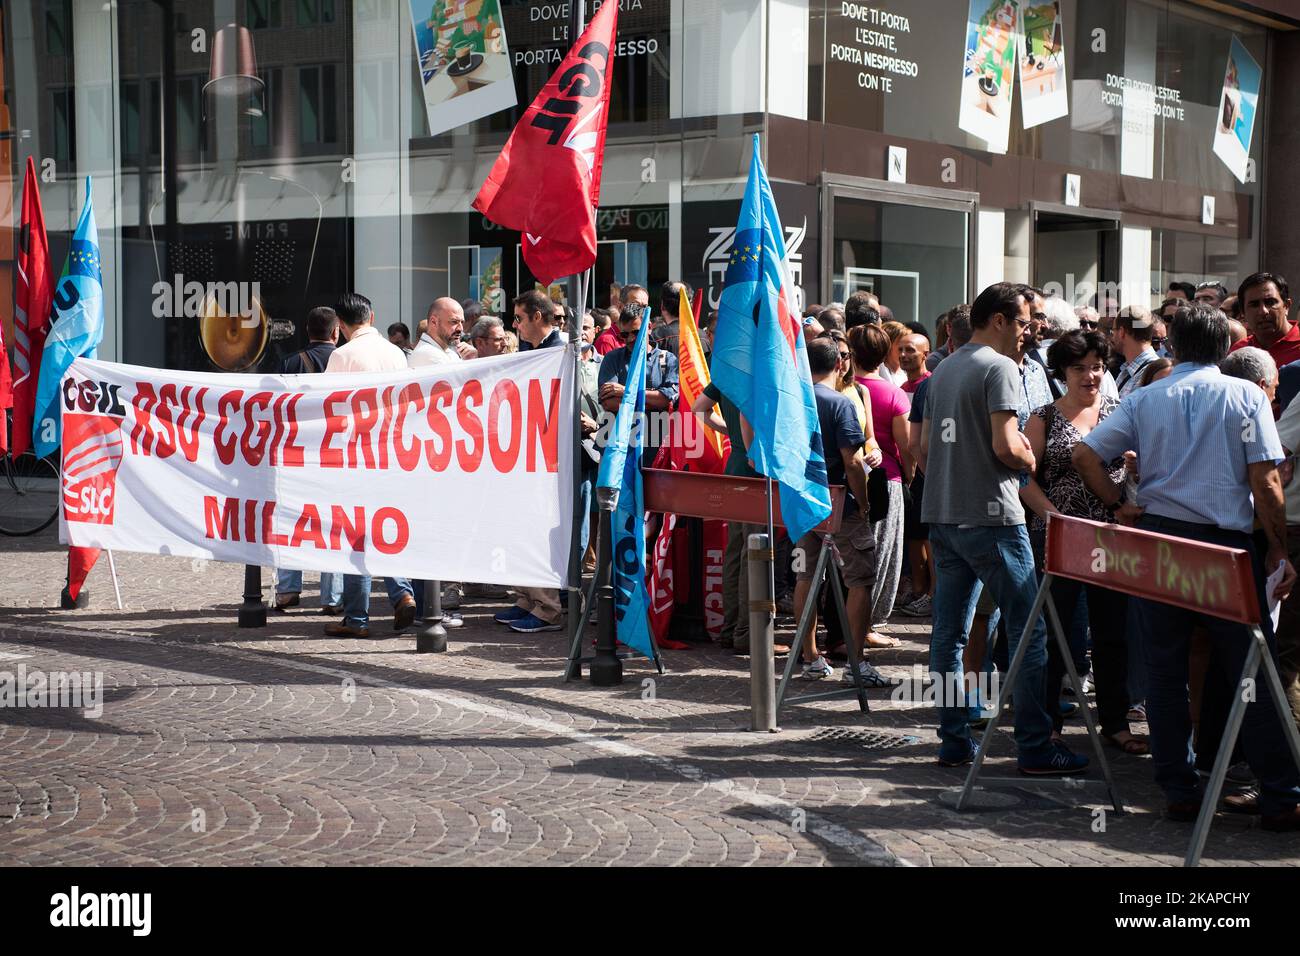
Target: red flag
{"x": 6, "y": 390}
{"x": 546, "y": 182}
{"x": 33, "y": 298}
{"x": 80, "y": 561}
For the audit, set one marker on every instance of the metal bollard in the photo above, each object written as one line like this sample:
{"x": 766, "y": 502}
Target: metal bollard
{"x": 762, "y": 627}
{"x": 432, "y": 637}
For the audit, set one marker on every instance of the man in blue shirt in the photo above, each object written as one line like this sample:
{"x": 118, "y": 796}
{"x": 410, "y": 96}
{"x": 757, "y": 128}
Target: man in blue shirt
{"x": 660, "y": 383}
{"x": 1207, "y": 450}
{"x": 843, "y": 441}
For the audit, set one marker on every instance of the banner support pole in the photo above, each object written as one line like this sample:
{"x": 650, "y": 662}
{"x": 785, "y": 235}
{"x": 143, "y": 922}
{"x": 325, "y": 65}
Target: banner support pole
{"x": 252, "y": 613}
{"x": 112, "y": 567}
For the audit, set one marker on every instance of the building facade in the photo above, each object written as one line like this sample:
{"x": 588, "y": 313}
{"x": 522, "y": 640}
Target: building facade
{"x": 254, "y": 158}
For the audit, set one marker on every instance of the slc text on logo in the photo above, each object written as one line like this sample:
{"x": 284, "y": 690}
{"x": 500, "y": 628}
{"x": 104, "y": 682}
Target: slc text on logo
{"x": 102, "y": 909}
{"x": 56, "y": 689}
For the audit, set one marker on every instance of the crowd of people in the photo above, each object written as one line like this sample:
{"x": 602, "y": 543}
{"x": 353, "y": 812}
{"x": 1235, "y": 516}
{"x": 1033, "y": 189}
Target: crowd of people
{"x": 954, "y": 450}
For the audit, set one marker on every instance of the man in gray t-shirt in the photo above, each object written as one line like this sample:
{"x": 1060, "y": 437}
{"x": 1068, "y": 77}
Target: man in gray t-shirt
{"x": 972, "y": 452}
{"x": 958, "y": 403}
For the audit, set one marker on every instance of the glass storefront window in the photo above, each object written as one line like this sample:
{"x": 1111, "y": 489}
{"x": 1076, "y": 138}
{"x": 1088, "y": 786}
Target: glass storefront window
{"x": 913, "y": 257}
{"x": 305, "y": 146}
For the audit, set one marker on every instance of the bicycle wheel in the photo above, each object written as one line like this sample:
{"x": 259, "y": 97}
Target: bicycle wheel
{"x": 29, "y": 495}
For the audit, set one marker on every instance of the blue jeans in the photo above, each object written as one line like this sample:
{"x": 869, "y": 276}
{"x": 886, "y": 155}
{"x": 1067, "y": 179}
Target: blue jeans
{"x": 331, "y": 585}
{"x": 356, "y": 597}
{"x": 584, "y": 489}
{"x": 1001, "y": 559}
{"x": 1165, "y": 634}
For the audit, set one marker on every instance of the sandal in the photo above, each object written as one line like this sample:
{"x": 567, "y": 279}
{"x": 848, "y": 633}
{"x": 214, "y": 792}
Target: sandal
{"x": 881, "y": 641}
{"x": 1134, "y": 745}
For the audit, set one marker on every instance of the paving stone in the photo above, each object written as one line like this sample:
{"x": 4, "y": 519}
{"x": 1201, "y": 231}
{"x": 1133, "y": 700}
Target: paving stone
{"x": 301, "y": 749}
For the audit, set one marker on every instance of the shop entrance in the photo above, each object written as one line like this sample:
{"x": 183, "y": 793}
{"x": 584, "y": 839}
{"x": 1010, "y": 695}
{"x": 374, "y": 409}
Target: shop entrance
{"x": 910, "y": 247}
{"x": 1077, "y": 255}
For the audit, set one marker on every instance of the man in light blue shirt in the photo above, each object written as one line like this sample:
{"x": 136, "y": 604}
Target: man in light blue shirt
{"x": 1207, "y": 451}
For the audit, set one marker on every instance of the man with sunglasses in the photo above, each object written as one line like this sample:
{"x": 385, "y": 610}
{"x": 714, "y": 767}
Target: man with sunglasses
{"x": 1211, "y": 294}
{"x": 660, "y": 381}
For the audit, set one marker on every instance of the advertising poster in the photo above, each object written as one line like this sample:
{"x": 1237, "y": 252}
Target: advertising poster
{"x": 464, "y": 61}
{"x": 1238, "y": 104}
{"x": 988, "y": 71}
{"x": 1043, "y": 94}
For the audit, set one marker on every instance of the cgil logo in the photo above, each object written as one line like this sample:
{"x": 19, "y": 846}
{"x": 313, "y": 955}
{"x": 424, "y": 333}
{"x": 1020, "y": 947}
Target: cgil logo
{"x": 74, "y": 909}
{"x": 88, "y": 396}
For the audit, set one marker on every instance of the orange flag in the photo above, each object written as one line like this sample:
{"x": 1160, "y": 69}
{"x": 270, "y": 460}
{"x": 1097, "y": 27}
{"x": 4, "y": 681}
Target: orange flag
{"x": 692, "y": 377}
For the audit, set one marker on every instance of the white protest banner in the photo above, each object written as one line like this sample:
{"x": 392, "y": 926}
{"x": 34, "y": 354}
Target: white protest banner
{"x": 458, "y": 472}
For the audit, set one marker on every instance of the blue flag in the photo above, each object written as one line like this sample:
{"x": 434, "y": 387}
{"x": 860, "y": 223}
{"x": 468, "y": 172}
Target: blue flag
{"x": 76, "y": 328}
{"x": 620, "y": 468}
{"x": 761, "y": 364}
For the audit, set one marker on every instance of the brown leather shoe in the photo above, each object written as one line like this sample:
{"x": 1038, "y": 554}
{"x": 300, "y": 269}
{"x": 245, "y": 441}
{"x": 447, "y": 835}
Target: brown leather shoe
{"x": 1245, "y": 801}
{"x": 346, "y": 630}
{"x": 404, "y": 613}
{"x": 1182, "y": 811}
{"x": 1287, "y": 822}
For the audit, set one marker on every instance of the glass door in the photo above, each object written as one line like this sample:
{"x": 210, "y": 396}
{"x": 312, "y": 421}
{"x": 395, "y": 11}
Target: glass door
{"x": 1077, "y": 256}
{"x": 908, "y": 247}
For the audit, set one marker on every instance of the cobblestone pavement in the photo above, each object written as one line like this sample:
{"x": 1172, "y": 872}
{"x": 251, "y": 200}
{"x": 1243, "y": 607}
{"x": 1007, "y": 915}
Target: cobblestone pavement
{"x": 280, "y": 746}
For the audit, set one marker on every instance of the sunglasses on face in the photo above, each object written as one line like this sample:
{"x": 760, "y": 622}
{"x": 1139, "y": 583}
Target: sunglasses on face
{"x": 1089, "y": 326}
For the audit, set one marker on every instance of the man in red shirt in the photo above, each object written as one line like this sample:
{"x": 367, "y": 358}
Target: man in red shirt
{"x": 912, "y": 353}
{"x": 1265, "y": 303}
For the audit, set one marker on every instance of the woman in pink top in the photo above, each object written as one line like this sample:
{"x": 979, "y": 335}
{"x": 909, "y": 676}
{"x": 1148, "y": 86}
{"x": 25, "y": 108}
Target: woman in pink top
{"x": 871, "y": 344}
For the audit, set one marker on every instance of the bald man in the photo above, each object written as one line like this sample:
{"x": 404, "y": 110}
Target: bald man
{"x": 441, "y": 340}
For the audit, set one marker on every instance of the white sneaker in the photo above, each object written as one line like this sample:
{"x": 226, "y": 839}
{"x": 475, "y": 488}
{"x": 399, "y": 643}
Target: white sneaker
{"x": 818, "y": 669}
{"x": 870, "y": 676}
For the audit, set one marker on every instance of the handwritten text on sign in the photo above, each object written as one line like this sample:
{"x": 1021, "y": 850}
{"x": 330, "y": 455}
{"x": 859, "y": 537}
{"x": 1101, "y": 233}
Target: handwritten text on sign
{"x": 1188, "y": 574}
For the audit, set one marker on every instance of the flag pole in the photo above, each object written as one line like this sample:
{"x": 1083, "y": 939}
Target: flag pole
{"x": 771, "y": 565}
{"x": 581, "y": 282}
{"x": 579, "y": 285}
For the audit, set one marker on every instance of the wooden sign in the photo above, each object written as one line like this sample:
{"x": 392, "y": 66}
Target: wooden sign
{"x": 1189, "y": 574}
{"x": 726, "y": 498}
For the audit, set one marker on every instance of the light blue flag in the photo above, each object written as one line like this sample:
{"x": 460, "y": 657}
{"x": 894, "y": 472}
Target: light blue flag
{"x": 620, "y": 468}
{"x": 760, "y": 361}
{"x": 76, "y": 329}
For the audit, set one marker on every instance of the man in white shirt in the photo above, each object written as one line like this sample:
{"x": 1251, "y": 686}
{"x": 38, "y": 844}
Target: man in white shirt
{"x": 441, "y": 341}
{"x": 366, "y": 351}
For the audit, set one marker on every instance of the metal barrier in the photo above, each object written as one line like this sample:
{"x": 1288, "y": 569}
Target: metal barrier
{"x": 1205, "y": 578}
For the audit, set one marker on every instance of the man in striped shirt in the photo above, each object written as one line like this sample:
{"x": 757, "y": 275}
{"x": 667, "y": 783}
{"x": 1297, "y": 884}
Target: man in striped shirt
{"x": 1132, "y": 338}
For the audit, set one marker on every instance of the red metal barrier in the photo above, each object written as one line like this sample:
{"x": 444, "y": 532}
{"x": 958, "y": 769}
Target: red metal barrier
{"x": 1189, "y": 574}
{"x": 724, "y": 497}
